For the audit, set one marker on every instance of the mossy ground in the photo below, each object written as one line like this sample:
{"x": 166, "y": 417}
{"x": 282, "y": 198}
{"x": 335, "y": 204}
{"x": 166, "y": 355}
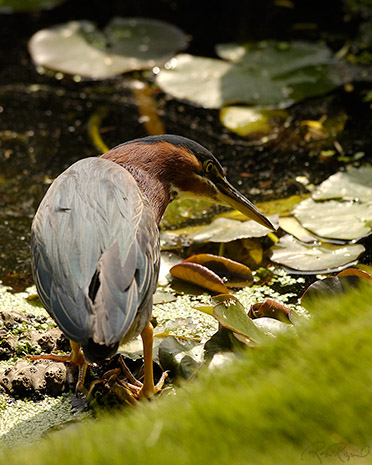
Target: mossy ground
{"x": 304, "y": 398}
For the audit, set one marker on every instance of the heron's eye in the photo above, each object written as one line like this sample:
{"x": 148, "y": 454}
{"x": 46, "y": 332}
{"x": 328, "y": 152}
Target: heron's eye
{"x": 208, "y": 167}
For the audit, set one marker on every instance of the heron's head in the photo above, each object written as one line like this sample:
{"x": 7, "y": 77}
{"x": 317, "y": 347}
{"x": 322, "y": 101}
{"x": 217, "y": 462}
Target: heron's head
{"x": 190, "y": 170}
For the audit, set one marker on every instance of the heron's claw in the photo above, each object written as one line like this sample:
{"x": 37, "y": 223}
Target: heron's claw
{"x": 76, "y": 357}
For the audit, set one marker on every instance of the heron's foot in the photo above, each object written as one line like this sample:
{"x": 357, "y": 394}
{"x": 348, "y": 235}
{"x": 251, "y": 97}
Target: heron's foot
{"x": 150, "y": 389}
{"x": 54, "y": 357}
{"x": 112, "y": 380}
{"x": 122, "y": 383}
{"x": 147, "y": 389}
{"x": 76, "y": 357}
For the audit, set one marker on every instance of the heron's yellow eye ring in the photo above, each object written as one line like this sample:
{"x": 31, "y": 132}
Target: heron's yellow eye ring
{"x": 208, "y": 166}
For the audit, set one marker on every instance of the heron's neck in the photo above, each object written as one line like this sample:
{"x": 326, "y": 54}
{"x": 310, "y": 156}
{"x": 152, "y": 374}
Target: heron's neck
{"x": 155, "y": 191}
{"x": 154, "y": 187}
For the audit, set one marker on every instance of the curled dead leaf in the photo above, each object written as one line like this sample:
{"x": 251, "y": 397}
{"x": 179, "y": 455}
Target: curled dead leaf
{"x": 199, "y": 275}
{"x": 237, "y": 274}
{"x": 271, "y": 309}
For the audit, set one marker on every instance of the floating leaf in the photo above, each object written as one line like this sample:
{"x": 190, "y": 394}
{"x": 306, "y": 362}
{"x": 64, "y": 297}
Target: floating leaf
{"x": 197, "y": 79}
{"x": 244, "y": 339}
{"x": 335, "y": 220}
{"x": 181, "y": 357}
{"x": 221, "y": 359}
{"x": 332, "y": 286}
{"x": 271, "y": 309}
{"x": 208, "y": 309}
{"x": 231, "y": 314}
{"x": 355, "y": 272}
{"x": 222, "y": 341}
{"x": 181, "y": 210}
{"x": 199, "y": 275}
{"x": 269, "y": 73}
{"x": 126, "y": 44}
{"x": 292, "y": 226}
{"x": 270, "y": 326}
{"x": 227, "y": 230}
{"x": 314, "y": 258}
{"x": 246, "y": 121}
{"x": 276, "y": 57}
{"x": 237, "y": 274}
{"x": 167, "y": 261}
{"x": 161, "y": 297}
{"x": 355, "y": 183}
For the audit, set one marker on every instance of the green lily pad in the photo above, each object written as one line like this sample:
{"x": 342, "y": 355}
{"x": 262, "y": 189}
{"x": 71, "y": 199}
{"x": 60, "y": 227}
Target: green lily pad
{"x": 276, "y": 57}
{"x": 272, "y": 327}
{"x": 355, "y": 183}
{"x": 167, "y": 261}
{"x": 230, "y": 313}
{"x": 314, "y": 258}
{"x": 126, "y": 44}
{"x": 292, "y": 226}
{"x": 335, "y": 219}
{"x": 246, "y": 121}
{"x": 181, "y": 357}
{"x": 227, "y": 230}
{"x": 262, "y": 74}
{"x": 331, "y": 286}
{"x": 181, "y": 210}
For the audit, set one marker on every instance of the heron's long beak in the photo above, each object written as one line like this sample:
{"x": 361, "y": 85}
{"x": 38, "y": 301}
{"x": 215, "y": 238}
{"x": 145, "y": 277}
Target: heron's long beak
{"x": 230, "y": 196}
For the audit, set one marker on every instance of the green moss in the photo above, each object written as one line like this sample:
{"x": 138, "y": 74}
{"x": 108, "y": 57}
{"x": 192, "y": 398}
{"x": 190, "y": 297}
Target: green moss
{"x": 270, "y": 406}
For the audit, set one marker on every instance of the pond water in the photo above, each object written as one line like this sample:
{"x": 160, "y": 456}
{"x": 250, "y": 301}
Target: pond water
{"x": 44, "y": 119}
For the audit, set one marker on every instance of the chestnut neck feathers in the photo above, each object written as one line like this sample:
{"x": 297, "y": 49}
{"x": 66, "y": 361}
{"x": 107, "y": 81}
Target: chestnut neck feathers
{"x": 161, "y": 165}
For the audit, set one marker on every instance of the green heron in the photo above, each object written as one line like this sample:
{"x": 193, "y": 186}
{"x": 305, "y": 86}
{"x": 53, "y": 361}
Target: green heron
{"x": 95, "y": 240}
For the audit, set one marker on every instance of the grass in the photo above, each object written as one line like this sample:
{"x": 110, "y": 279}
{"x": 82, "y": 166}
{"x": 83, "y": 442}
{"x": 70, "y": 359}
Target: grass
{"x": 302, "y": 399}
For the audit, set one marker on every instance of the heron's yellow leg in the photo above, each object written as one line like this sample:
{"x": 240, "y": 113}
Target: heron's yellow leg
{"x": 76, "y": 357}
{"x": 148, "y": 388}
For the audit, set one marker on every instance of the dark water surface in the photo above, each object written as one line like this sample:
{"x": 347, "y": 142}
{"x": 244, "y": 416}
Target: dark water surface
{"x": 44, "y": 121}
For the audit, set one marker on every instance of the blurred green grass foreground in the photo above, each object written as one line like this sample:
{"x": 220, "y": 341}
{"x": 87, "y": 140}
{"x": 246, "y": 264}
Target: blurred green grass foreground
{"x": 304, "y": 398}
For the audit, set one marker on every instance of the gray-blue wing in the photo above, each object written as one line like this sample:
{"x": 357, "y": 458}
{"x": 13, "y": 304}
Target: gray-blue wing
{"x": 95, "y": 253}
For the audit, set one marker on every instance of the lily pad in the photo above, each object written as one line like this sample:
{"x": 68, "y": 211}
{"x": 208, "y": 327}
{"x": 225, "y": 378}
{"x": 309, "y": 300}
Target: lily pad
{"x": 271, "y": 327}
{"x": 276, "y": 57}
{"x": 262, "y": 74}
{"x": 334, "y": 286}
{"x": 181, "y": 210}
{"x": 230, "y": 314}
{"x": 181, "y": 357}
{"x": 314, "y": 258}
{"x": 335, "y": 219}
{"x": 167, "y": 261}
{"x": 291, "y": 225}
{"x": 227, "y": 230}
{"x": 126, "y": 44}
{"x": 353, "y": 184}
{"x": 246, "y": 121}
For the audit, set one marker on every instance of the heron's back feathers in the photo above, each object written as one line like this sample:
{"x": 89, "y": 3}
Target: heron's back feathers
{"x": 95, "y": 253}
